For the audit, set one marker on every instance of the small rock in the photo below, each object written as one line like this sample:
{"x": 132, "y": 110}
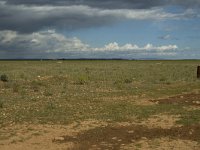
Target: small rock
{"x": 130, "y": 132}
{"x": 103, "y": 143}
{"x": 133, "y": 140}
{"x": 59, "y": 139}
{"x": 114, "y": 138}
{"x": 144, "y": 138}
{"x": 197, "y": 102}
{"x": 191, "y": 132}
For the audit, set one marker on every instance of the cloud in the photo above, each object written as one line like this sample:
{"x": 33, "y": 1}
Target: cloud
{"x": 168, "y": 37}
{"x": 45, "y": 41}
{"x": 48, "y": 43}
{"x": 7, "y": 36}
{"x": 185, "y": 3}
{"x": 30, "y": 18}
{"x": 149, "y": 47}
{"x": 165, "y": 37}
{"x": 110, "y": 4}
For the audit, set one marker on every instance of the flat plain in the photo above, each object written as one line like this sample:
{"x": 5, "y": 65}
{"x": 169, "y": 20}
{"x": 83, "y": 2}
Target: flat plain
{"x": 100, "y": 104}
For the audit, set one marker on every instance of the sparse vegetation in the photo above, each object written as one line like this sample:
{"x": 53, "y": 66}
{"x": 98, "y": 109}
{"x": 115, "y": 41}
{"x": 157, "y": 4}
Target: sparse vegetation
{"x": 45, "y": 92}
{"x": 87, "y": 89}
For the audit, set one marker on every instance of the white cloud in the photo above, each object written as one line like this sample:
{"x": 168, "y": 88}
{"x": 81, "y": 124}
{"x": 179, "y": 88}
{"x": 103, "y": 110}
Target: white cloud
{"x": 7, "y": 36}
{"x": 110, "y": 46}
{"x": 165, "y": 37}
{"x": 129, "y": 47}
{"x": 46, "y": 41}
{"x": 149, "y": 47}
{"x": 49, "y": 41}
{"x": 168, "y": 47}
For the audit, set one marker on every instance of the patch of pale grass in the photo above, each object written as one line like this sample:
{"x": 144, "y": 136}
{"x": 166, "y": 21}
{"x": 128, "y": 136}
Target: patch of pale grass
{"x": 161, "y": 121}
{"x": 162, "y": 144}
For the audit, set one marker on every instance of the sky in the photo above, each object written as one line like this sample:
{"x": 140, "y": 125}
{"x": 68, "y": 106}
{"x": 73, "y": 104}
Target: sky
{"x": 128, "y": 29}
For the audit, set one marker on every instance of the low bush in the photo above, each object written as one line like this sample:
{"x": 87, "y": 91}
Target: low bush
{"x": 4, "y": 78}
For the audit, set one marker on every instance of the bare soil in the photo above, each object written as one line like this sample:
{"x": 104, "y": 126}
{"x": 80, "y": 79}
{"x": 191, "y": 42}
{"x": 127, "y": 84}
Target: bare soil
{"x": 186, "y": 99}
{"x": 114, "y": 137}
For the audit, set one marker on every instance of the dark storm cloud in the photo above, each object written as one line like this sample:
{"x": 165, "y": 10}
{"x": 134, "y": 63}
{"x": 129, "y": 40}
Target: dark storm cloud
{"x": 32, "y": 15}
{"x": 110, "y": 4}
{"x": 185, "y": 3}
{"x": 30, "y": 18}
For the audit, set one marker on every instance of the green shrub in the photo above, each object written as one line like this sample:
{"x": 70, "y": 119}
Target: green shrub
{"x": 81, "y": 80}
{"x": 162, "y": 79}
{"x": 48, "y": 93}
{"x": 4, "y": 78}
{"x": 127, "y": 81}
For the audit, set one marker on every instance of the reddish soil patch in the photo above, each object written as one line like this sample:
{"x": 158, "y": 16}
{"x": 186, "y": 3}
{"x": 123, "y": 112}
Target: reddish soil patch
{"x": 115, "y": 137}
{"x": 187, "y": 99}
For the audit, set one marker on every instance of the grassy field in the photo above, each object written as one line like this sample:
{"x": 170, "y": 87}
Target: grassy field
{"x": 64, "y": 92}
